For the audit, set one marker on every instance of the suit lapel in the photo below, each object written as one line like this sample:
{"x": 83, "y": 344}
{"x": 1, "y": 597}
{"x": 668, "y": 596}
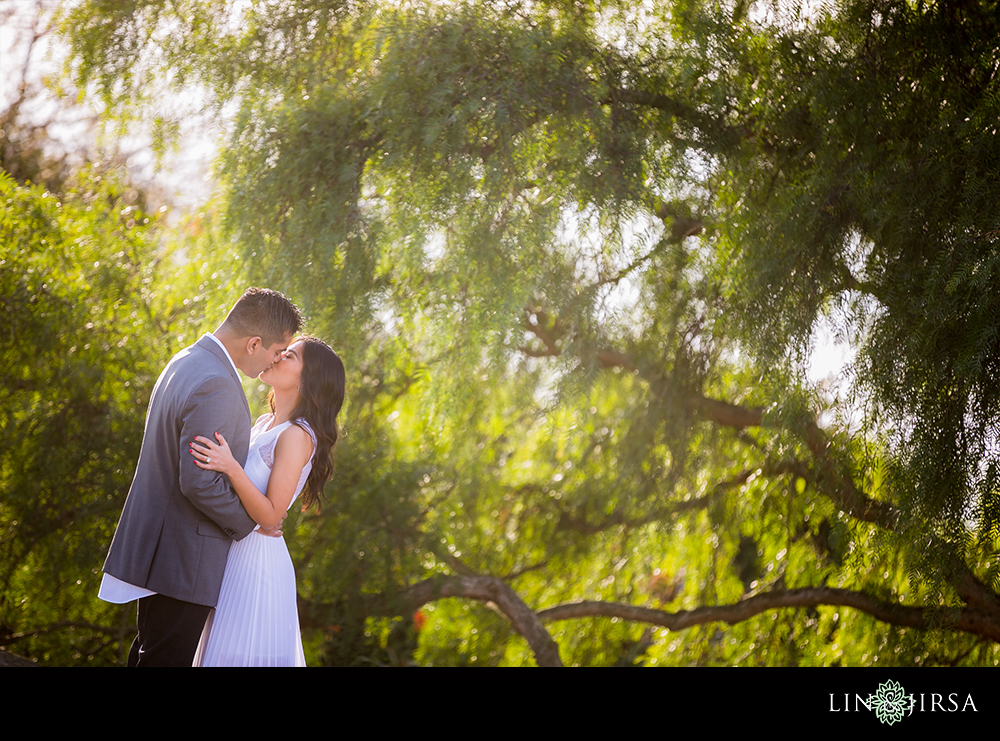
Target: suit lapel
{"x": 206, "y": 343}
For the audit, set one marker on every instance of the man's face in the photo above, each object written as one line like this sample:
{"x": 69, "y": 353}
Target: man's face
{"x": 262, "y": 358}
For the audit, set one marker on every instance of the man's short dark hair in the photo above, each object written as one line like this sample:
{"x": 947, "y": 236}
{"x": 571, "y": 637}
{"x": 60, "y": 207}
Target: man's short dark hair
{"x": 261, "y": 312}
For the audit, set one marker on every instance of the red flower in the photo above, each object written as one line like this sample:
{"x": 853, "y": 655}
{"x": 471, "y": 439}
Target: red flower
{"x": 419, "y": 618}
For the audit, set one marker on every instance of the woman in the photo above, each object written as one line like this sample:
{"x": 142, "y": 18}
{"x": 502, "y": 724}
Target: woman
{"x": 256, "y": 620}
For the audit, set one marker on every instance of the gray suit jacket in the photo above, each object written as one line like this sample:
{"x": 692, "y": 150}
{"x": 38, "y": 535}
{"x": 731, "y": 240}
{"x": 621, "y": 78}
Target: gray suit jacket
{"x": 179, "y": 519}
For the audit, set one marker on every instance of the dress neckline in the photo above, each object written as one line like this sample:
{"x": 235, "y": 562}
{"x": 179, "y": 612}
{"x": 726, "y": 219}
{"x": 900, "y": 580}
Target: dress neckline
{"x": 270, "y": 426}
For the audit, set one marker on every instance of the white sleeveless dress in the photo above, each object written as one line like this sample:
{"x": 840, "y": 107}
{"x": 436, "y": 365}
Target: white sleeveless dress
{"x": 256, "y": 622}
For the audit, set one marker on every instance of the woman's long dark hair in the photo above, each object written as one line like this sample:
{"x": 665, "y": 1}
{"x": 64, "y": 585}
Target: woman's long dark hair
{"x": 321, "y": 395}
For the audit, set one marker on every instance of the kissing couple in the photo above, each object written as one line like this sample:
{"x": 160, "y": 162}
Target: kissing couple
{"x": 201, "y": 527}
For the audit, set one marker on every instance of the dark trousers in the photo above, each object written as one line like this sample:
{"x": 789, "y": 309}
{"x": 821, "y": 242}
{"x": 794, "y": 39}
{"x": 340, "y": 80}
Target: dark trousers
{"x": 169, "y": 630}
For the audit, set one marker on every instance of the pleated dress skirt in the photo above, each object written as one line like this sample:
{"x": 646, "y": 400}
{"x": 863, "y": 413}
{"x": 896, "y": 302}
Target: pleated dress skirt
{"x": 256, "y": 622}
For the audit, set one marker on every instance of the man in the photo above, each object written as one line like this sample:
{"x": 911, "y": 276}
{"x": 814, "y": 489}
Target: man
{"x": 173, "y": 538}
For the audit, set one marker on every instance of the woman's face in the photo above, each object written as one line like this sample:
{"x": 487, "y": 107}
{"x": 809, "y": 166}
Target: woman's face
{"x": 287, "y": 370}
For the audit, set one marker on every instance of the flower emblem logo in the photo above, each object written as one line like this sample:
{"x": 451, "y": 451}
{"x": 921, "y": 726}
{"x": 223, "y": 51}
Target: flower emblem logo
{"x": 890, "y": 702}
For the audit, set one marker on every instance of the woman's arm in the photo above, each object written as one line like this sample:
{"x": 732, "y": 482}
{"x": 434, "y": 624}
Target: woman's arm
{"x": 291, "y": 453}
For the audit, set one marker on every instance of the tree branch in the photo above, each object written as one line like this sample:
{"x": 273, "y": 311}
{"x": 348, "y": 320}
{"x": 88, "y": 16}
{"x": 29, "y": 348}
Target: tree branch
{"x": 548, "y": 330}
{"x": 489, "y": 589}
{"x": 551, "y": 332}
{"x": 681, "y": 227}
{"x": 975, "y": 593}
{"x": 579, "y": 524}
{"x": 834, "y": 483}
{"x": 56, "y": 627}
{"x": 965, "y": 620}
{"x": 721, "y": 132}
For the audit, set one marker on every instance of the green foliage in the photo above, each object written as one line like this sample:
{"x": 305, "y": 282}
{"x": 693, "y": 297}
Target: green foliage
{"x": 75, "y": 365}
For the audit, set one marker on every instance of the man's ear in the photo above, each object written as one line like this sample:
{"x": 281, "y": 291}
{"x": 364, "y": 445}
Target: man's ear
{"x": 254, "y": 344}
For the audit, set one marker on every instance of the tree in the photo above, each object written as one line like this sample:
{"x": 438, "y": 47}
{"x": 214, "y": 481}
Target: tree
{"x": 576, "y": 255}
